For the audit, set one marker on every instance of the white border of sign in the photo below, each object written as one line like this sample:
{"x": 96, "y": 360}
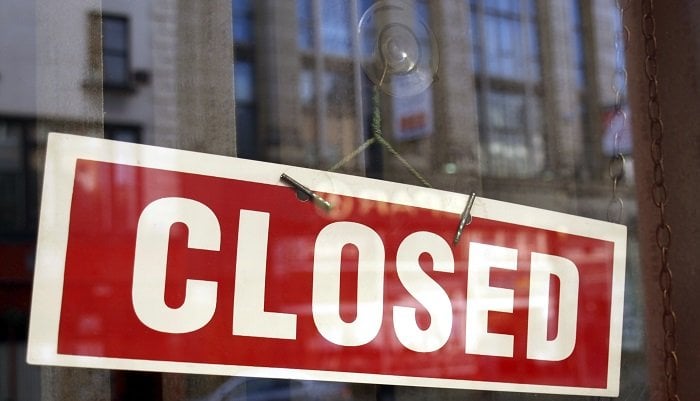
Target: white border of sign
{"x": 63, "y": 150}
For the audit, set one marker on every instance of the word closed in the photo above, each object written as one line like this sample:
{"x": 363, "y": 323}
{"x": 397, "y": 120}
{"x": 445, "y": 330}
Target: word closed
{"x": 251, "y": 319}
{"x": 165, "y": 260}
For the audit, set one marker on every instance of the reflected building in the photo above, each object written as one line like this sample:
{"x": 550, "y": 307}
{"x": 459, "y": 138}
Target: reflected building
{"x": 520, "y": 108}
{"x": 517, "y": 110}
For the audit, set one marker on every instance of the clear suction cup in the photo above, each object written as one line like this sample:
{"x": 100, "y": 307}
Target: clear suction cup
{"x": 399, "y": 51}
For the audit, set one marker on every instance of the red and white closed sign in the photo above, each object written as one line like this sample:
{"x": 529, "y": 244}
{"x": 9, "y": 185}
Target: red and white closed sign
{"x": 159, "y": 259}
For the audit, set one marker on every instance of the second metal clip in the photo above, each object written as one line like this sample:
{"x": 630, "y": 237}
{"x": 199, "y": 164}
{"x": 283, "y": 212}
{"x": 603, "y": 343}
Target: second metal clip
{"x": 465, "y": 218}
{"x": 306, "y": 192}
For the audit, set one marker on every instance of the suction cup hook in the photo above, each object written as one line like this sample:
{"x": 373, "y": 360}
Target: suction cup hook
{"x": 399, "y": 51}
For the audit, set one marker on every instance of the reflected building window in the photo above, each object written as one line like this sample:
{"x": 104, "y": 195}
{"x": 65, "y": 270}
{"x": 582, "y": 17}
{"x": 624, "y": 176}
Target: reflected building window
{"x": 242, "y": 21}
{"x": 123, "y": 133}
{"x": 587, "y": 165}
{"x": 335, "y": 86}
{"x": 307, "y": 122}
{"x": 422, "y": 17}
{"x": 246, "y": 119}
{"x": 115, "y": 51}
{"x": 17, "y": 180}
{"x": 329, "y": 78}
{"x": 306, "y": 89}
{"x": 367, "y": 39}
{"x": 244, "y": 79}
{"x": 505, "y": 59}
{"x": 578, "y": 48}
{"x": 336, "y": 28}
{"x": 243, "y": 75}
{"x": 305, "y": 18}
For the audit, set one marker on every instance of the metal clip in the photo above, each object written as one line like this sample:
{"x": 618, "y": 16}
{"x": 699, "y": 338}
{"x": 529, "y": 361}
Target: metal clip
{"x": 465, "y": 218}
{"x": 305, "y": 193}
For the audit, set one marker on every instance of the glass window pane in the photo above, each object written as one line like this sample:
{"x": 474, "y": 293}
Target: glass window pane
{"x": 475, "y": 37}
{"x": 12, "y": 200}
{"x": 116, "y": 70}
{"x": 10, "y": 148}
{"x": 362, "y": 6}
{"x": 578, "y": 48}
{"x": 492, "y": 39}
{"x": 244, "y": 82}
{"x": 422, "y": 17}
{"x": 242, "y": 21}
{"x": 302, "y": 99}
{"x": 329, "y": 83}
{"x": 115, "y": 51}
{"x": 12, "y": 178}
{"x": 533, "y": 52}
{"x": 337, "y": 90}
{"x": 123, "y": 134}
{"x": 307, "y": 88}
{"x": 511, "y": 7}
{"x": 305, "y": 26}
{"x": 114, "y": 31}
{"x": 246, "y": 143}
{"x": 335, "y": 27}
{"x": 246, "y": 117}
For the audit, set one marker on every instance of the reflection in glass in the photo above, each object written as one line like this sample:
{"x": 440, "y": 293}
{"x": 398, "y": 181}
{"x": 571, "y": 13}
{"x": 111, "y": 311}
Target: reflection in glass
{"x": 12, "y": 177}
{"x": 243, "y": 21}
{"x": 505, "y": 57}
{"x": 578, "y": 48}
{"x": 335, "y": 27}
{"x": 280, "y": 390}
{"x": 305, "y": 18}
{"x": 244, "y": 78}
{"x": 328, "y": 93}
{"x": 306, "y": 88}
{"x": 115, "y": 51}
